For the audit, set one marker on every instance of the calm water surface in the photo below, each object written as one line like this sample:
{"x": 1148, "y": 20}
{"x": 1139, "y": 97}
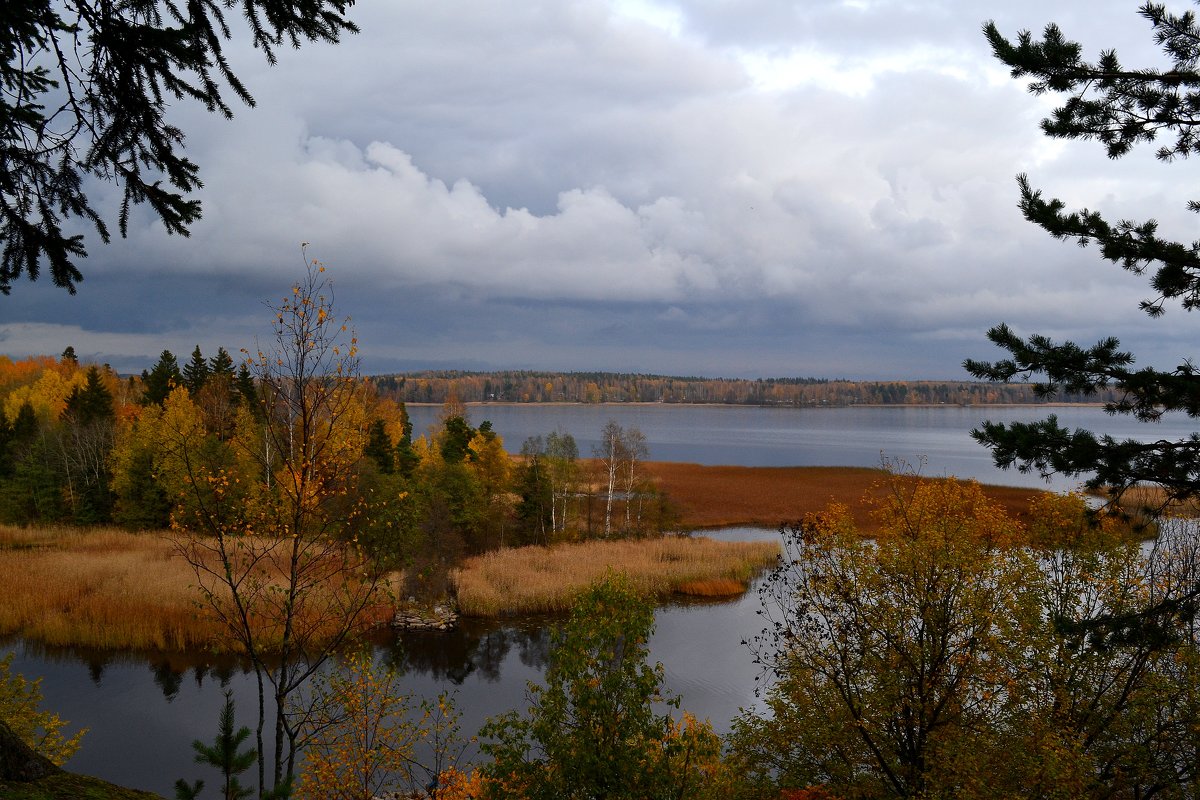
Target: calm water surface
{"x": 143, "y": 712}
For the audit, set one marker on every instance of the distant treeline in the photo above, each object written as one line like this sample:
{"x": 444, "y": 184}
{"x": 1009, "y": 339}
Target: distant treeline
{"x": 616, "y": 387}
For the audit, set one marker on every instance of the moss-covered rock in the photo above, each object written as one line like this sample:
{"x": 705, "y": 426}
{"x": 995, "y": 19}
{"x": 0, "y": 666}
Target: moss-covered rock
{"x": 26, "y": 775}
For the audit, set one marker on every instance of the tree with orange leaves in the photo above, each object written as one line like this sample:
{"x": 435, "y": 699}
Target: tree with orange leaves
{"x": 949, "y": 656}
{"x": 272, "y": 511}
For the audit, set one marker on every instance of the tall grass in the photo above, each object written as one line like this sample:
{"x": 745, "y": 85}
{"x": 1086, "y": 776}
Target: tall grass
{"x": 547, "y": 579}
{"x": 106, "y": 588}
{"x": 716, "y": 496}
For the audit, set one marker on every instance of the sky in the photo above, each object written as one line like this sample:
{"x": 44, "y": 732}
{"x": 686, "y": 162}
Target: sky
{"x": 755, "y": 188}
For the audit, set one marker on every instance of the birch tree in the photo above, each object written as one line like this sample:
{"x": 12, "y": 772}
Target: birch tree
{"x": 272, "y": 548}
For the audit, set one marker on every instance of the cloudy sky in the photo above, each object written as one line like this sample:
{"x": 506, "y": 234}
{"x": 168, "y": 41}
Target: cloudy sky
{"x": 719, "y": 187}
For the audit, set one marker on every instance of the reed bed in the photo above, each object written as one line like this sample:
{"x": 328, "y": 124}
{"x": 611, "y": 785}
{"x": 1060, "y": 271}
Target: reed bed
{"x": 719, "y": 496}
{"x": 106, "y": 588}
{"x": 102, "y": 588}
{"x": 531, "y": 580}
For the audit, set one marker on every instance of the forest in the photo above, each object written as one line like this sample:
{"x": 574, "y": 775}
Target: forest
{"x": 517, "y": 386}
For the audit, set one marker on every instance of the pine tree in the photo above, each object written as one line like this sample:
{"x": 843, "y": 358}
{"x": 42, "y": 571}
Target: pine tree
{"x": 244, "y": 383}
{"x": 223, "y": 754}
{"x": 379, "y": 448}
{"x": 87, "y": 86}
{"x": 221, "y": 364}
{"x": 1120, "y": 108}
{"x": 161, "y": 379}
{"x": 195, "y": 372}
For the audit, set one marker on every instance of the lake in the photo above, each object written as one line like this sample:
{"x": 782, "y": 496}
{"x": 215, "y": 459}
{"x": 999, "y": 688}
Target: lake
{"x": 144, "y": 711}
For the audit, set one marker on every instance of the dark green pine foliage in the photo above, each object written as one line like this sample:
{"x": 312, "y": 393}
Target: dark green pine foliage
{"x": 123, "y": 66}
{"x": 6, "y": 440}
{"x": 33, "y": 489}
{"x": 533, "y": 487}
{"x": 457, "y": 440}
{"x": 161, "y": 379}
{"x": 221, "y": 365}
{"x": 144, "y": 503}
{"x": 68, "y": 356}
{"x": 223, "y": 754}
{"x": 244, "y": 385}
{"x": 406, "y": 457}
{"x": 195, "y": 372}
{"x": 379, "y": 448}
{"x": 93, "y": 403}
{"x": 1119, "y": 107}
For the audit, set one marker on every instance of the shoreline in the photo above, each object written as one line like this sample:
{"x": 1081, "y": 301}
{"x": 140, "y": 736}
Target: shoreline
{"x": 516, "y": 403}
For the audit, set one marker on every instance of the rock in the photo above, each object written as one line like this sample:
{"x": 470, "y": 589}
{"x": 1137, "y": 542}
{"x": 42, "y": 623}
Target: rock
{"x": 418, "y": 617}
{"x": 19, "y": 761}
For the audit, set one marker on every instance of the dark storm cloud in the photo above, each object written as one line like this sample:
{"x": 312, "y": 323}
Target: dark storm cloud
{"x": 712, "y": 188}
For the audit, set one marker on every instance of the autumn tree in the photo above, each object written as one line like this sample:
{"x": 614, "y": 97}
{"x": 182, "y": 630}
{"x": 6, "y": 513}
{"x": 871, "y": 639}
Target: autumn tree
{"x": 273, "y": 548}
{"x": 950, "y": 656}
{"x": 593, "y": 730}
{"x": 20, "y": 709}
{"x": 620, "y": 454}
{"x": 369, "y": 737}
{"x": 87, "y": 93}
{"x": 1119, "y": 107}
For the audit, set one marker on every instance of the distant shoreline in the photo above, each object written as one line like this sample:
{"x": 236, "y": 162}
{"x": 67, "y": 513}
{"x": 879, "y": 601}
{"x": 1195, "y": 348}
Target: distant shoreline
{"x": 516, "y": 403}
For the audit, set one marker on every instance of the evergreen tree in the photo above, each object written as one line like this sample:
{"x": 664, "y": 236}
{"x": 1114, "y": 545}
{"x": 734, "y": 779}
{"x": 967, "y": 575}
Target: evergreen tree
{"x": 195, "y": 372}
{"x": 379, "y": 448}
{"x": 68, "y": 356}
{"x": 456, "y": 439}
{"x": 85, "y": 443}
{"x": 221, "y": 364}
{"x": 223, "y": 754}
{"x": 6, "y": 438}
{"x": 121, "y": 65}
{"x": 1120, "y": 108}
{"x": 90, "y": 404}
{"x": 244, "y": 384}
{"x": 161, "y": 379}
{"x": 406, "y": 457}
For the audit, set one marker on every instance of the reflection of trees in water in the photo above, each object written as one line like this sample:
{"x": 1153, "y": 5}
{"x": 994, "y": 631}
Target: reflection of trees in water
{"x": 167, "y": 679}
{"x": 474, "y": 647}
{"x": 168, "y": 673}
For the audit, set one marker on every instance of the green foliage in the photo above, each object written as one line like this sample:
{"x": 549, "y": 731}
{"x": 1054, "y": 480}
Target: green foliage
{"x": 379, "y": 447}
{"x": 592, "y": 731}
{"x": 19, "y": 708}
{"x": 196, "y": 371}
{"x": 456, "y": 439}
{"x": 161, "y": 379}
{"x": 122, "y": 66}
{"x": 1120, "y": 108}
{"x": 224, "y": 755}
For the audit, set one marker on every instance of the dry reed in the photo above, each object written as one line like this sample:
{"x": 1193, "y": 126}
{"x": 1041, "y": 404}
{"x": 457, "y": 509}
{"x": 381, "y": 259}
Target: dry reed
{"x": 547, "y": 579}
{"x": 106, "y": 588}
{"x": 718, "y": 496}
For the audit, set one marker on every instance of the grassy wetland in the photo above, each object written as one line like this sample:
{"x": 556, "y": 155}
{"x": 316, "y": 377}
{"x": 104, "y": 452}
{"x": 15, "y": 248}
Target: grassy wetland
{"x": 112, "y": 589}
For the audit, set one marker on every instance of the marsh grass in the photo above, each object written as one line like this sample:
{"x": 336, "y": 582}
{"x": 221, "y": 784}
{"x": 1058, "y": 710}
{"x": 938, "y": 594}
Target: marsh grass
{"x": 529, "y": 580}
{"x": 719, "y": 496}
{"x": 106, "y": 588}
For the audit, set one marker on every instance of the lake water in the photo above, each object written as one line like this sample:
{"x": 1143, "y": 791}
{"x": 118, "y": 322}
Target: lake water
{"x": 144, "y": 711}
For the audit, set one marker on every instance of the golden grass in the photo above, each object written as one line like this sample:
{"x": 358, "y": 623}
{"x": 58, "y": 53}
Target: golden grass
{"x": 529, "y": 580}
{"x": 101, "y": 588}
{"x": 105, "y": 588}
{"x": 718, "y": 496}
{"x": 712, "y": 587}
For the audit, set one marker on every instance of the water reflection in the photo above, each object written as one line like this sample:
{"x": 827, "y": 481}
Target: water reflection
{"x": 477, "y": 649}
